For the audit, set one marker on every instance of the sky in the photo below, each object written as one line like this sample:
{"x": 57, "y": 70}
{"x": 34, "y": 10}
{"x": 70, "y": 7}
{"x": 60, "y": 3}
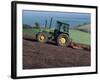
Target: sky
{"x": 73, "y": 19}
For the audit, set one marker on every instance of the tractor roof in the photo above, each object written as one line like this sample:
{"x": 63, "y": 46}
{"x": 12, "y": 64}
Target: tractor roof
{"x": 62, "y": 22}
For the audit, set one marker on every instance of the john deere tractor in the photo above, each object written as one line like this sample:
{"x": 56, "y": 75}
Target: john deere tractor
{"x": 60, "y": 34}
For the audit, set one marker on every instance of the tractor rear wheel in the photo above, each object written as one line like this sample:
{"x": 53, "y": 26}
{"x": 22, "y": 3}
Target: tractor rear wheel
{"x": 63, "y": 40}
{"x": 42, "y": 37}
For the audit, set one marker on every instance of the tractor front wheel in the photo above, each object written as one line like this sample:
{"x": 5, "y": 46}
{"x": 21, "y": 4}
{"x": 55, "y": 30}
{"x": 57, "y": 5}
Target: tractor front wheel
{"x": 63, "y": 40}
{"x": 42, "y": 37}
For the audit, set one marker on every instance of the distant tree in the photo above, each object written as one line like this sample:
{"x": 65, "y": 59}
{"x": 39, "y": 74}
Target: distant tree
{"x": 37, "y": 25}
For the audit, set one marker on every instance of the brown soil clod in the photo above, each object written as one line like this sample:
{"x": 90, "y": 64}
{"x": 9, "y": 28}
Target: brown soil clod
{"x": 79, "y": 46}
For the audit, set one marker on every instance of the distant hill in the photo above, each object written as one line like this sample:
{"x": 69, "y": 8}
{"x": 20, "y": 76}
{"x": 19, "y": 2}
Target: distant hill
{"x": 26, "y": 26}
{"x": 84, "y": 28}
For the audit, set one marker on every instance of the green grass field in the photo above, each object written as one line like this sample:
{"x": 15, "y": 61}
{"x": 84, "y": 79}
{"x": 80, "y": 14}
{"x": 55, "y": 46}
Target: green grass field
{"x": 80, "y": 36}
{"x": 30, "y": 32}
{"x": 75, "y": 35}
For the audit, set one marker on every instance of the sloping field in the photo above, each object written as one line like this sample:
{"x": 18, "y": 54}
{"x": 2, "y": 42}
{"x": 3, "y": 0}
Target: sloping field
{"x": 48, "y": 55}
{"x": 80, "y": 36}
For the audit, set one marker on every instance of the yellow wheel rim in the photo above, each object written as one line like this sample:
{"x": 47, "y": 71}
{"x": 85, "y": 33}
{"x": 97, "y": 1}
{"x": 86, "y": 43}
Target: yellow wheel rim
{"x": 62, "y": 40}
{"x": 41, "y": 38}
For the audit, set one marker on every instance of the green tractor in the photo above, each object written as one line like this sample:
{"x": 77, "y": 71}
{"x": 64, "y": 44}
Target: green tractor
{"x": 60, "y": 34}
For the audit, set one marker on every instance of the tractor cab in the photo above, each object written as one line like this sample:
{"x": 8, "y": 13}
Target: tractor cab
{"x": 61, "y": 28}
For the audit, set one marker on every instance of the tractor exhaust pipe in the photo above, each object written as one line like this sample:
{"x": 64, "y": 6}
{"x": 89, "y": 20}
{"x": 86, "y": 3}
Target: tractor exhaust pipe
{"x": 45, "y": 24}
{"x": 50, "y": 22}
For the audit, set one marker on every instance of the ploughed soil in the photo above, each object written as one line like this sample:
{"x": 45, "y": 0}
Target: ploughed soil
{"x": 48, "y": 55}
